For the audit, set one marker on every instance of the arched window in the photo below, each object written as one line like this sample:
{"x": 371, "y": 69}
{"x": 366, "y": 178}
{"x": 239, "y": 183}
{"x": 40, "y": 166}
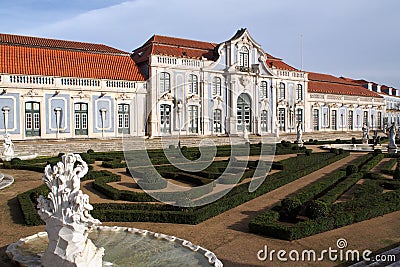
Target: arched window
{"x": 193, "y": 85}
{"x": 264, "y": 89}
{"x": 281, "y": 90}
{"x": 217, "y": 86}
{"x": 165, "y": 84}
{"x": 299, "y": 92}
{"x": 244, "y": 57}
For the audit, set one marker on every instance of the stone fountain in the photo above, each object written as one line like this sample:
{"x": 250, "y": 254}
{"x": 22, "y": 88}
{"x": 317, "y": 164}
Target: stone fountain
{"x": 69, "y": 225}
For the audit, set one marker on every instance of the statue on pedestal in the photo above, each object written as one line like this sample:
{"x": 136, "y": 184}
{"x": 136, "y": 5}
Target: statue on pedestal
{"x": 365, "y": 135}
{"x": 8, "y": 147}
{"x": 392, "y": 137}
{"x": 66, "y": 213}
{"x": 299, "y": 134}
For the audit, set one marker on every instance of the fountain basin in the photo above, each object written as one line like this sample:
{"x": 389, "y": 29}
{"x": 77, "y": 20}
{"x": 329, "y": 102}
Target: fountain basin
{"x": 356, "y": 147}
{"x": 123, "y": 247}
{"x": 5, "y": 180}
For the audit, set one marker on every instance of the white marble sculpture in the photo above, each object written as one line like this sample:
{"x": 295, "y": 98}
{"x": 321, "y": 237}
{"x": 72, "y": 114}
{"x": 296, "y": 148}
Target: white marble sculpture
{"x": 8, "y": 145}
{"x": 365, "y": 135}
{"x": 66, "y": 213}
{"x": 299, "y": 134}
{"x": 392, "y": 137}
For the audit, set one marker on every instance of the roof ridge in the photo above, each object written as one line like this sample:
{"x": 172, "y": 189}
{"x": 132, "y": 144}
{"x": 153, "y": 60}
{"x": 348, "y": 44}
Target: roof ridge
{"x": 49, "y": 43}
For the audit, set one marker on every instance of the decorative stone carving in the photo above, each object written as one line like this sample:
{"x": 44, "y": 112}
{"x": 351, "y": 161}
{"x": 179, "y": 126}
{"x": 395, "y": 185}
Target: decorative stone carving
{"x": 167, "y": 97}
{"x": 81, "y": 95}
{"x": 299, "y": 134}
{"x": 244, "y": 80}
{"x": 392, "y": 136}
{"x": 365, "y": 136}
{"x": 31, "y": 93}
{"x": 8, "y": 145}
{"x": 66, "y": 213}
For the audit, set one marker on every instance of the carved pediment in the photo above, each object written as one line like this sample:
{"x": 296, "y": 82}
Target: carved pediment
{"x": 123, "y": 96}
{"x": 32, "y": 93}
{"x": 167, "y": 97}
{"x": 81, "y": 95}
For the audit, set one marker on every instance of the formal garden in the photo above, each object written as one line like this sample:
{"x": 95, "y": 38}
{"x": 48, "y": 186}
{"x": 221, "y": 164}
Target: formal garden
{"x": 345, "y": 196}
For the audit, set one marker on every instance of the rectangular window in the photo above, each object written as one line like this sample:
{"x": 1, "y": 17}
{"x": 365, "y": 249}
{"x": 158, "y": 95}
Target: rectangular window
{"x": 316, "y": 119}
{"x": 193, "y": 84}
{"x": 334, "y": 120}
{"x": 28, "y": 121}
{"x": 264, "y": 89}
{"x": 299, "y": 115}
{"x": 217, "y": 86}
{"x": 282, "y": 90}
{"x": 264, "y": 121}
{"x": 193, "y": 119}
{"x": 379, "y": 120}
{"x": 281, "y": 119}
{"x": 217, "y": 121}
{"x": 165, "y": 118}
{"x": 299, "y": 92}
{"x": 365, "y": 118}
{"x": 123, "y": 118}
{"x": 350, "y": 120}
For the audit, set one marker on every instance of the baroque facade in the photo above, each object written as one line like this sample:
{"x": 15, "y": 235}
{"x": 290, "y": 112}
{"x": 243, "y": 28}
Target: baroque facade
{"x": 172, "y": 86}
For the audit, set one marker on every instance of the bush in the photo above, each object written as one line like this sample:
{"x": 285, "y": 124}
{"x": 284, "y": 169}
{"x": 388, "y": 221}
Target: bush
{"x": 396, "y": 174}
{"x": 291, "y": 207}
{"x": 353, "y": 140}
{"x": 316, "y": 209}
{"x": 350, "y": 169}
{"x": 377, "y": 152}
{"x": 308, "y": 152}
{"x": 90, "y": 151}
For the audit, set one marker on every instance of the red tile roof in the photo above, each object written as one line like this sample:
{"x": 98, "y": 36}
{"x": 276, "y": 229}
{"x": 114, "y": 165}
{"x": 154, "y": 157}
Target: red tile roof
{"x": 176, "y": 47}
{"x": 325, "y": 83}
{"x": 67, "y": 63}
{"x": 18, "y": 40}
{"x": 279, "y": 64}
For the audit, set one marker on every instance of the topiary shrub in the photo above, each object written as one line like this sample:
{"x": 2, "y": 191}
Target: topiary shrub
{"x": 308, "y": 152}
{"x": 291, "y": 207}
{"x": 396, "y": 174}
{"x": 317, "y": 209}
{"x": 60, "y": 155}
{"x": 377, "y": 152}
{"x": 353, "y": 140}
{"x": 16, "y": 161}
{"x": 350, "y": 169}
{"x": 334, "y": 150}
{"x": 171, "y": 147}
{"x": 340, "y": 150}
{"x": 90, "y": 151}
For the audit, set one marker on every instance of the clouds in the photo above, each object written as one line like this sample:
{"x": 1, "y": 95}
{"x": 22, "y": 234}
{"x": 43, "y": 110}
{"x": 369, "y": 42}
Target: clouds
{"x": 357, "y": 38}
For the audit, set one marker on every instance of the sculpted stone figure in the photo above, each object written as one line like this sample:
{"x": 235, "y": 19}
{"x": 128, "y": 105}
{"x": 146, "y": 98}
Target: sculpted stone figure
{"x": 8, "y": 147}
{"x": 392, "y": 136}
{"x": 299, "y": 134}
{"x": 66, "y": 213}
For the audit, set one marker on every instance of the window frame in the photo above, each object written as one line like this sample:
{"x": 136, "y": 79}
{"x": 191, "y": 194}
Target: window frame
{"x": 165, "y": 82}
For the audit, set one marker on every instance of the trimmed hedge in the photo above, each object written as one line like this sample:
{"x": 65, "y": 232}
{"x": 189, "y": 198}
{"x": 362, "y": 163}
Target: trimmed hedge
{"x": 342, "y": 214}
{"x": 299, "y": 166}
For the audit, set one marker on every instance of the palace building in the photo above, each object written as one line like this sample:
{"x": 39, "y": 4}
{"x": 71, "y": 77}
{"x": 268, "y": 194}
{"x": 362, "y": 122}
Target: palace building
{"x": 172, "y": 86}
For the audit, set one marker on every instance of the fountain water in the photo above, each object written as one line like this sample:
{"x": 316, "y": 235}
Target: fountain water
{"x": 69, "y": 224}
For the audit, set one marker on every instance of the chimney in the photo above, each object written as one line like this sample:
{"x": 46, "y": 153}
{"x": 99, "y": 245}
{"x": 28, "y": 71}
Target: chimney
{"x": 370, "y": 86}
{"x": 378, "y": 88}
{"x": 390, "y": 91}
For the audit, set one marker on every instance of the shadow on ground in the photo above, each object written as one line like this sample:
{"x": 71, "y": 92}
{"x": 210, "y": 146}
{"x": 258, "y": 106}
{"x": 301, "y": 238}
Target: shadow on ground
{"x": 15, "y": 211}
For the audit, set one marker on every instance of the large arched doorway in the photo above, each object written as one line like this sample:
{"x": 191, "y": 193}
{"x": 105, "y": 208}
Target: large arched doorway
{"x": 243, "y": 112}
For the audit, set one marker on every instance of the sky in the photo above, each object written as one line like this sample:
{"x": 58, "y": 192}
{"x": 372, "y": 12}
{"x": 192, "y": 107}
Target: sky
{"x": 359, "y": 39}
